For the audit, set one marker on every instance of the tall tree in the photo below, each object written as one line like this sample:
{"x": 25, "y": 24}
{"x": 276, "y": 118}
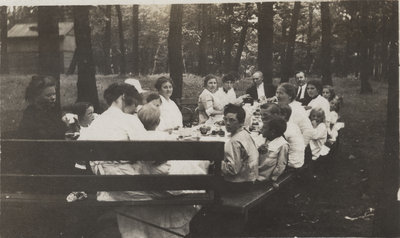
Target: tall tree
{"x": 107, "y": 41}
{"x": 385, "y": 36}
{"x": 265, "y": 43}
{"x": 87, "y": 90}
{"x": 121, "y": 40}
{"x": 284, "y": 27}
{"x": 175, "y": 49}
{"x": 228, "y": 41}
{"x": 242, "y": 39}
{"x": 4, "y": 55}
{"x": 326, "y": 43}
{"x": 387, "y": 214}
{"x": 309, "y": 36}
{"x": 49, "y": 45}
{"x": 135, "y": 45}
{"x": 364, "y": 60}
{"x": 203, "y": 44}
{"x": 288, "y": 67}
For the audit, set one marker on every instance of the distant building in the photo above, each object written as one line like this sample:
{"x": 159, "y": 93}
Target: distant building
{"x": 23, "y": 47}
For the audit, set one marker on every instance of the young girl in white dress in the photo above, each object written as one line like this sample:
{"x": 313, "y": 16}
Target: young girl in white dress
{"x": 320, "y": 134}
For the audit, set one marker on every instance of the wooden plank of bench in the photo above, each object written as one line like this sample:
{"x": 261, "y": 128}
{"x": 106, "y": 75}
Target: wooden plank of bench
{"x": 20, "y": 200}
{"x": 68, "y": 183}
{"x": 242, "y": 202}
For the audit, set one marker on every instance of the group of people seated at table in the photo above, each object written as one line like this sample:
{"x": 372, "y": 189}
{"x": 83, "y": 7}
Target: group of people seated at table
{"x": 291, "y": 122}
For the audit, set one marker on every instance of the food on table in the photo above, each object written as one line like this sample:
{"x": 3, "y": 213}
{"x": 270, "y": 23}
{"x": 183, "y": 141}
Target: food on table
{"x": 220, "y": 123}
{"x": 221, "y": 132}
{"x": 205, "y": 129}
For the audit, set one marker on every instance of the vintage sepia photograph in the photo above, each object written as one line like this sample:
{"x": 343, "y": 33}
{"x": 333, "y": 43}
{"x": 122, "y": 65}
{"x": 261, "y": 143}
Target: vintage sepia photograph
{"x": 199, "y": 119}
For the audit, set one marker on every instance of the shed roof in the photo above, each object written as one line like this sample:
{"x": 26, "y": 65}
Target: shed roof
{"x": 30, "y": 29}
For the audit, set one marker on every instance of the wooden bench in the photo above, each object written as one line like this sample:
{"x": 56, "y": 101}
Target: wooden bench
{"x": 241, "y": 203}
{"x": 24, "y": 185}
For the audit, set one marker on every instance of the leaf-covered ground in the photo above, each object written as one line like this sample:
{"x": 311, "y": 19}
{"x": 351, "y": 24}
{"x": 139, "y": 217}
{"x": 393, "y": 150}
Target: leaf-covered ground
{"x": 338, "y": 204}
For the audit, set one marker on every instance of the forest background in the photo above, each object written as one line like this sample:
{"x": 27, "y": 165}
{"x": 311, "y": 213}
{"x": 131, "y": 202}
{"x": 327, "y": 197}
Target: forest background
{"x": 352, "y": 40}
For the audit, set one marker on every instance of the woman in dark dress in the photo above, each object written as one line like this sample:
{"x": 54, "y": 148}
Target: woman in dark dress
{"x": 41, "y": 118}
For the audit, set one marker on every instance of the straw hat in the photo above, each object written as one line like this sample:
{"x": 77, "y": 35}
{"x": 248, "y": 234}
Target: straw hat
{"x": 136, "y": 84}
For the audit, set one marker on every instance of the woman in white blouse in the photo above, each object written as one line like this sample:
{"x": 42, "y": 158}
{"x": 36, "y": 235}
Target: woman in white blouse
{"x": 171, "y": 116}
{"x": 209, "y": 106}
{"x": 286, "y": 94}
{"x": 314, "y": 90}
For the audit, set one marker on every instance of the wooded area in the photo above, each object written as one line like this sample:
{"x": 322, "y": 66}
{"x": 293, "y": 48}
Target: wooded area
{"x": 325, "y": 39}
{"x": 354, "y": 39}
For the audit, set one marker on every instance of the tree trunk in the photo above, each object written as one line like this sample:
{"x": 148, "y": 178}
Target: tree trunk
{"x": 107, "y": 41}
{"x": 284, "y": 44}
{"x": 4, "y": 30}
{"x": 364, "y": 62}
{"x": 87, "y": 90}
{"x": 228, "y": 43}
{"x": 291, "y": 43}
{"x": 135, "y": 46}
{"x": 387, "y": 213}
{"x": 265, "y": 43}
{"x": 175, "y": 49}
{"x": 153, "y": 71}
{"x": 326, "y": 44}
{"x": 309, "y": 36}
{"x": 242, "y": 41}
{"x": 49, "y": 45}
{"x": 121, "y": 40}
{"x": 384, "y": 47}
{"x": 203, "y": 44}
{"x": 72, "y": 65}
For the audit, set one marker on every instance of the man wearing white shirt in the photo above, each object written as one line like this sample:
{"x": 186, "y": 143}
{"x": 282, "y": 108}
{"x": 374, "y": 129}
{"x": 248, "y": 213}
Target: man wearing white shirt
{"x": 257, "y": 91}
{"x": 117, "y": 122}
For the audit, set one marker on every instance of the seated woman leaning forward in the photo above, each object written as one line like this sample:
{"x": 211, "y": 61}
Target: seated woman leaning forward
{"x": 209, "y": 106}
{"x": 116, "y": 124}
{"x": 171, "y": 116}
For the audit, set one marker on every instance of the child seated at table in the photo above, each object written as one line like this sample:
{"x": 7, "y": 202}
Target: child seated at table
{"x": 320, "y": 133}
{"x": 269, "y": 109}
{"x": 154, "y": 98}
{"x": 274, "y": 153}
{"x": 334, "y": 127}
{"x": 240, "y": 164}
{"x": 294, "y": 138}
{"x": 328, "y": 92}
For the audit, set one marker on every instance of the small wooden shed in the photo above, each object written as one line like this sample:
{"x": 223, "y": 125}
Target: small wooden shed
{"x": 23, "y": 47}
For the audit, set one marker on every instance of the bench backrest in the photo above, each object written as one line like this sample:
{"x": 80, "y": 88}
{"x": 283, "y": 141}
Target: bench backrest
{"x": 37, "y": 166}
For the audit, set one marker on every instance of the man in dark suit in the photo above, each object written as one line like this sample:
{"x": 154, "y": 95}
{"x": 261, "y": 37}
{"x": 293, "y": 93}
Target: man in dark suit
{"x": 256, "y": 91}
{"x": 301, "y": 83}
